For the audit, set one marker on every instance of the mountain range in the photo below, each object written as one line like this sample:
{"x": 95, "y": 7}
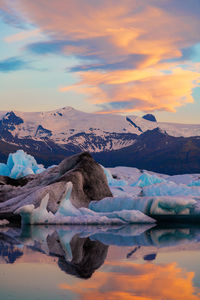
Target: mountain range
{"x": 113, "y": 140}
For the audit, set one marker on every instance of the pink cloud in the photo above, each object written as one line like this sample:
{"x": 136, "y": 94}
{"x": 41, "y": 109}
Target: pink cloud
{"x": 111, "y": 31}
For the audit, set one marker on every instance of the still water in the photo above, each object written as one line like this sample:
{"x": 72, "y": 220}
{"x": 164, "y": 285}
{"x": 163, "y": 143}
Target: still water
{"x": 88, "y": 262}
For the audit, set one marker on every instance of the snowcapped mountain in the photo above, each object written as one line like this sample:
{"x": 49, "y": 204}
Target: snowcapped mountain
{"x": 67, "y": 123}
{"x": 52, "y": 135}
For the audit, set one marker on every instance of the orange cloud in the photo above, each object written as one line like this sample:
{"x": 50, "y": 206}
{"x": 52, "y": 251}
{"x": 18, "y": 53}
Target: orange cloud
{"x": 148, "y": 89}
{"x": 111, "y": 32}
{"x": 137, "y": 282}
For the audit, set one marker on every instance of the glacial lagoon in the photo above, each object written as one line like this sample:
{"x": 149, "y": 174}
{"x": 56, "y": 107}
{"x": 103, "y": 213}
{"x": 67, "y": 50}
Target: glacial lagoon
{"x": 100, "y": 262}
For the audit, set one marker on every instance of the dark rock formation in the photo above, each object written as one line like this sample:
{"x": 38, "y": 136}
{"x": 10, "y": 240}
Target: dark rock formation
{"x": 5, "y": 180}
{"x": 149, "y": 117}
{"x": 87, "y": 176}
{"x": 156, "y": 151}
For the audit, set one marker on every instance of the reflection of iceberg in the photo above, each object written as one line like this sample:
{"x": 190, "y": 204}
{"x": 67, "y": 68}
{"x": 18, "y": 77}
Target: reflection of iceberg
{"x": 54, "y": 237}
{"x": 82, "y": 249}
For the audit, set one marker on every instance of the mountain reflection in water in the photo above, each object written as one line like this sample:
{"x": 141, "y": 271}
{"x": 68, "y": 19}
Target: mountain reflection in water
{"x": 127, "y": 262}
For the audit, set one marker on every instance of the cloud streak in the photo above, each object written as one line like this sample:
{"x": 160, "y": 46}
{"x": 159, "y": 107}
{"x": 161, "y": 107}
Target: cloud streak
{"x": 23, "y": 35}
{"x": 12, "y": 64}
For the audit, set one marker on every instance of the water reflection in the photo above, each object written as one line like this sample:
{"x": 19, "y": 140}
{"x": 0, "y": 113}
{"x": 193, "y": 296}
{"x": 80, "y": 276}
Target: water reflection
{"x": 129, "y": 280}
{"x": 82, "y": 251}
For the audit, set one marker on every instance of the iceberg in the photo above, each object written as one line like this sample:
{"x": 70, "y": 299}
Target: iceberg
{"x": 194, "y": 183}
{"x": 4, "y": 170}
{"x": 20, "y": 164}
{"x": 138, "y": 197}
{"x": 147, "y": 179}
{"x": 147, "y": 205}
{"x": 68, "y": 214}
{"x": 112, "y": 181}
{"x": 171, "y": 189}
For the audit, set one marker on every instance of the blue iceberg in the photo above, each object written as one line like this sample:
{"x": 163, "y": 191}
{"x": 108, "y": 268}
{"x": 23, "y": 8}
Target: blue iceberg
{"x": 20, "y": 164}
{"x": 112, "y": 181}
{"x": 147, "y": 179}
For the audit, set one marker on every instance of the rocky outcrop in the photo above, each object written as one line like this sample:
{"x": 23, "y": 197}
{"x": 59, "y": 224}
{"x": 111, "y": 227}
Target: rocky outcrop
{"x": 87, "y": 176}
{"x": 149, "y": 117}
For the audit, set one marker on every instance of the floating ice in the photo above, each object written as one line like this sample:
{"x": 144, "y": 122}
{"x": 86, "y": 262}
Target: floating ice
{"x": 171, "y": 189}
{"x": 147, "y": 205}
{"x": 112, "y": 181}
{"x": 147, "y": 179}
{"x": 136, "y": 196}
{"x": 20, "y": 164}
{"x": 4, "y": 170}
{"x": 68, "y": 214}
{"x": 194, "y": 183}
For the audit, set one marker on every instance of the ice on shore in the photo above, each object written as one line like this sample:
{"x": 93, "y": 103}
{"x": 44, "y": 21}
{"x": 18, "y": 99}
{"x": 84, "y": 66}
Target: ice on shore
{"x": 20, "y": 164}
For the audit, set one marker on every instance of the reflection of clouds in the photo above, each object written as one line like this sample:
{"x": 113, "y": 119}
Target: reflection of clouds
{"x": 134, "y": 281}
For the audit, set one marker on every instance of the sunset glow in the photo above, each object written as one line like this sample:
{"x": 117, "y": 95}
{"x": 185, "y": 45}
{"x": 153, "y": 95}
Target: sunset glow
{"x": 107, "y": 56}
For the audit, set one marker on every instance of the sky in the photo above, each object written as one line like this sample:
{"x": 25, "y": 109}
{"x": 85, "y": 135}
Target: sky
{"x": 109, "y": 56}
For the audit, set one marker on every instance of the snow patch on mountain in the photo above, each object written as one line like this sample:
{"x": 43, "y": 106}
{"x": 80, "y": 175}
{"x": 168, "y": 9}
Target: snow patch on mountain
{"x": 74, "y": 129}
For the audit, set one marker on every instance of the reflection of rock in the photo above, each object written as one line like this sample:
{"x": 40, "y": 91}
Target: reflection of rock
{"x": 81, "y": 250}
{"x": 9, "y": 253}
{"x": 88, "y": 178}
{"x": 87, "y": 259}
{"x": 86, "y": 256}
{"x": 149, "y": 257}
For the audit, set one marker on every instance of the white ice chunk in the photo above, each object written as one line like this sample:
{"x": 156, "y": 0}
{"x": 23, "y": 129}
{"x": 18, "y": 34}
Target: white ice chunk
{"x": 32, "y": 215}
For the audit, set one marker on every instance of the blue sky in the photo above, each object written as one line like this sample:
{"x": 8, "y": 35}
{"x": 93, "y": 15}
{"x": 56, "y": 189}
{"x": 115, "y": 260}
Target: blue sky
{"x": 125, "y": 57}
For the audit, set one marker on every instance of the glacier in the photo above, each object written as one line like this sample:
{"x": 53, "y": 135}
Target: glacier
{"x": 138, "y": 196}
{"x": 20, "y": 164}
